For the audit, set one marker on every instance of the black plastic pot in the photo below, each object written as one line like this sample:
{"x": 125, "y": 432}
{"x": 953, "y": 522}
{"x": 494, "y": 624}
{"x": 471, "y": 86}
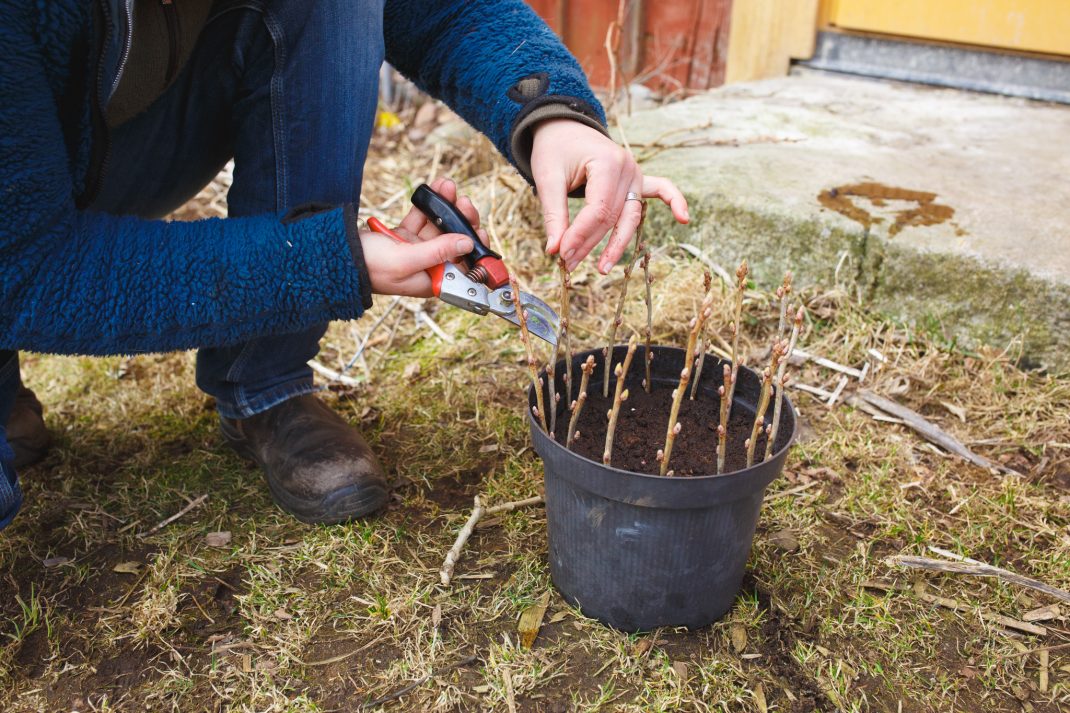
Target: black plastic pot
{"x": 639, "y": 551}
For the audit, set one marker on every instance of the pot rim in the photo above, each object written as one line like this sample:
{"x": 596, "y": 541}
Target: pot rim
{"x": 537, "y": 428}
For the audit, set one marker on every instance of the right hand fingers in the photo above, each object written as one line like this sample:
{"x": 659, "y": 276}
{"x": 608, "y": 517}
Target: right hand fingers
{"x": 418, "y": 224}
{"x": 399, "y": 268}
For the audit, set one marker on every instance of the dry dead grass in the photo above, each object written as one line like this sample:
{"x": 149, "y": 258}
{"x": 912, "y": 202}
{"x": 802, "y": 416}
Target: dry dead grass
{"x": 290, "y": 617}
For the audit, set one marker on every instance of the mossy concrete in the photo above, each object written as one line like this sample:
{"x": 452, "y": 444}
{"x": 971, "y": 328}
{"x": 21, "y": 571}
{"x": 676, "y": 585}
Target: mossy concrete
{"x": 998, "y": 274}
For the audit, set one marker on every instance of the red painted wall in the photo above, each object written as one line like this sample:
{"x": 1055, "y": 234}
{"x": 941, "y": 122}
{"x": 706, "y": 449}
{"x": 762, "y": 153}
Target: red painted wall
{"x": 672, "y": 45}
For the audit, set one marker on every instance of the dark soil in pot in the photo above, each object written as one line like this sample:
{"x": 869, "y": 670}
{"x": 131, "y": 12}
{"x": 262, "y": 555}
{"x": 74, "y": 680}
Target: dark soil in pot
{"x": 638, "y": 551}
{"x": 644, "y": 419}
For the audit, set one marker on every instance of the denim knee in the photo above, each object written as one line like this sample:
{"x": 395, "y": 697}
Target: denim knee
{"x": 10, "y": 493}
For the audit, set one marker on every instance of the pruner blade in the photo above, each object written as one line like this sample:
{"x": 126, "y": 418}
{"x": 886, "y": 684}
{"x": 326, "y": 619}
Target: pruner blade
{"x": 543, "y": 322}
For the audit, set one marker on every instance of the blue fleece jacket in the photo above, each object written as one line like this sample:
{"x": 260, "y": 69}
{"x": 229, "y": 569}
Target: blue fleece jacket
{"x": 74, "y": 281}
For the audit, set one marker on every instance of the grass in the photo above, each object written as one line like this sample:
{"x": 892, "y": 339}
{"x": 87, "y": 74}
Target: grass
{"x": 290, "y": 617}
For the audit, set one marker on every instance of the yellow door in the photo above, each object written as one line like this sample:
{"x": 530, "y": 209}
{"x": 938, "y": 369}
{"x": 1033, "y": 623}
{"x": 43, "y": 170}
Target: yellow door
{"x": 1026, "y": 25}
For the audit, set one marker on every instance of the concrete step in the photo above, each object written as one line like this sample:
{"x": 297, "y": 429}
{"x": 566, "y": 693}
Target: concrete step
{"x": 946, "y": 209}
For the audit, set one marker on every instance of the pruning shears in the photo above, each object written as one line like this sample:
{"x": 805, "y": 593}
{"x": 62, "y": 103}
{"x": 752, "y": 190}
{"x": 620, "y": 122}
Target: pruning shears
{"x": 483, "y": 286}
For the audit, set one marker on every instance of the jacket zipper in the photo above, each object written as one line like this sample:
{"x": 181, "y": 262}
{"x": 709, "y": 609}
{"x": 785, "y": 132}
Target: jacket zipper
{"x": 126, "y": 49}
{"x": 101, "y": 137}
{"x": 171, "y": 18}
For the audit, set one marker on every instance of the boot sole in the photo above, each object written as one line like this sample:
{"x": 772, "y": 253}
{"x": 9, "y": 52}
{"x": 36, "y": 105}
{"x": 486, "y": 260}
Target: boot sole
{"x": 333, "y": 509}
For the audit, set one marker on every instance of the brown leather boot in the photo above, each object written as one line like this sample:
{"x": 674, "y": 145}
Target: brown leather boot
{"x": 318, "y": 467}
{"x": 26, "y": 430}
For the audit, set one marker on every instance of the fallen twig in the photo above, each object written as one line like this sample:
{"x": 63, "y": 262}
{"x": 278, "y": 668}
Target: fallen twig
{"x": 514, "y": 505}
{"x": 1037, "y": 650}
{"x": 333, "y": 375}
{"x": 342, "y": 657}
{"x": 815, "y": 390}
{"x": 804, "y": 356}
{"x": 446, "y": 573}
{"x": 928, "y": 430}
{"x": 167, "y": 521}
{"x": 717, "y": 269}
{"x": 1004, "y": 621}
{"x": 837, "y": 392}
{"x": 478, "y": 511}
{"x": 975, "y": 568}
{"x": 418, "y": 682}
{"x": 421, "y": 315}
{"x": 368, "y": 336}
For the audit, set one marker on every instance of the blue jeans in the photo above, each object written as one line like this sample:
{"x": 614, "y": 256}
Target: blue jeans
{"x": 288, "y": 89}
{"x": 10, "y": 494}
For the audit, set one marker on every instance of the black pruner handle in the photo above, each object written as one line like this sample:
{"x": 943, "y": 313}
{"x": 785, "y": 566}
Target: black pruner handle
{"x": 449, "y": 219}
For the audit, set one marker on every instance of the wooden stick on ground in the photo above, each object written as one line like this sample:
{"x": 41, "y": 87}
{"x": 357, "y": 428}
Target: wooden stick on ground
{"x": 1004, "y": 621}
{"x": 446, "y": 573}
{"x": 514, "y": 505}
{"x": 581, "y": 398}
{"x": 533, "y": 369}
{"x": 673, "y": 429}
{"x": 929, "y": 431}
{"x": 478, "y": 511}
{"x": 417, "y": 683}
{"x": 803, "y": 356}
{"x": 975, "y": 568}
{"x": 167, "y": 521}
{"x": 620, "y": 395}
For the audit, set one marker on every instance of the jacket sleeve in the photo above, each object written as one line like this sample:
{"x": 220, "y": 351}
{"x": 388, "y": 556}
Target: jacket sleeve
{"x": 80, "y": 282}
{"x": 495, "y": 62}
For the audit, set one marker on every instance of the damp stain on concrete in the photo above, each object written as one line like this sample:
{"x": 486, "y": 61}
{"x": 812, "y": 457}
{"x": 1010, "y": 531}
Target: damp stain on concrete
{"x": 850, "y": 200}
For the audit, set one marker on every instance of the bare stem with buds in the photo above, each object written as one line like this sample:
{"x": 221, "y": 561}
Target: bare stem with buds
{"x": 533, "y": 369}
{"x": 566, "y": 332}
{"x": 722, "y": 427}
{"x": 741, "y": 287}
{"x": 779, "y": 350}
{"x": 618, "y": 319}
{"x": 783, "y": 294}
{"x": 620, "y": 395}
{"x": 648, "y": 357}
{"x": 577, "y": 405}
{"x": 555, "y": 398}
{"x": 673, "y": 429}
{"x": 782, "y": 382}
{"x": 707, "y": 282}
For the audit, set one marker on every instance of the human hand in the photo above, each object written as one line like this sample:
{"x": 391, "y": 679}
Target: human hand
{"x": 399, "y": 268}
{"x": 564, "y": 155}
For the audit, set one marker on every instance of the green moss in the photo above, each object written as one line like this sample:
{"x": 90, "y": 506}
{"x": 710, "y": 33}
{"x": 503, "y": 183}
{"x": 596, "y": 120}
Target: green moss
{"x": 961, "y": 300}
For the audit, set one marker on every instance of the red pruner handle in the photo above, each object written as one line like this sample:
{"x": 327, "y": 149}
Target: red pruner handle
{"x": 435, "y": 273}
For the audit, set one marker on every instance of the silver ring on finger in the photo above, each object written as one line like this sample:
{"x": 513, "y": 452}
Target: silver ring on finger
{"x": 633, "y": 196}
